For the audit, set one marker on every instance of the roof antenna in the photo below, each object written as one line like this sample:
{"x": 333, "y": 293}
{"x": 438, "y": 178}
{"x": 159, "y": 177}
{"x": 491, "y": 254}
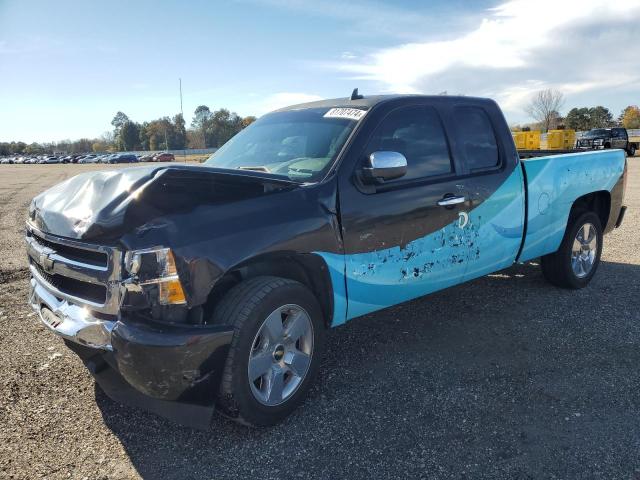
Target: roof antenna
{"x": 355, "y": 95}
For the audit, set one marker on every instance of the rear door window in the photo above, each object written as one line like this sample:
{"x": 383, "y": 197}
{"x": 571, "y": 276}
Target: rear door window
{"x": 476, "y": 136}
{"x": 620, "y": 133}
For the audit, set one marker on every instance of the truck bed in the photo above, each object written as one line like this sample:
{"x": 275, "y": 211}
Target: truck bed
{"x": 554, "y": 182}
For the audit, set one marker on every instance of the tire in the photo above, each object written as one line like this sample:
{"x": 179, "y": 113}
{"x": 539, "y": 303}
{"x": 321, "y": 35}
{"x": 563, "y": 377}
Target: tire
{"x": 253, "y": 307}
{"x": 632, "y": 150}
{"x": 558, "y": 268}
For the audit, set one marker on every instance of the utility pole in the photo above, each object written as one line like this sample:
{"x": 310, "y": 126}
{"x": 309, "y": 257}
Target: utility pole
{"x": 181, "y": 112}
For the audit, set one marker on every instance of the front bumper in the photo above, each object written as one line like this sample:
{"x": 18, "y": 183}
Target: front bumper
{"x": 589, "y": 147}
{"x": 139, "y": 362}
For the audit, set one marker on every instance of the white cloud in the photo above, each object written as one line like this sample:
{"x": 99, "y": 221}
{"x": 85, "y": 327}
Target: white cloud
{"x": 518, "y": 48}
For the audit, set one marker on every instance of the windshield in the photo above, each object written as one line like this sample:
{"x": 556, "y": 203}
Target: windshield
{"x": 598, "y": 132}
{"x": 298, "y": 144}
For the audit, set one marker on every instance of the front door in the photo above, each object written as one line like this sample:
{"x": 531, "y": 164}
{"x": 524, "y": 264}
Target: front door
{"x": 409, "y": 236}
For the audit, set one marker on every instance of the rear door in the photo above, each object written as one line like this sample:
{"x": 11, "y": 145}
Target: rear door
{"x": 404, "y": 239}
{"x": 495, "y": 215}
{"x": 619, "y": 138}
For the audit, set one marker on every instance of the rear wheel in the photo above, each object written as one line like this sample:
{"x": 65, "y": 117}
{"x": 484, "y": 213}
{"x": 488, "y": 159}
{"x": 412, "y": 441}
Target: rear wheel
{"x": 576, "y": 261}
{"x": 275, "y": 351}
{"x": 631, "y": 150}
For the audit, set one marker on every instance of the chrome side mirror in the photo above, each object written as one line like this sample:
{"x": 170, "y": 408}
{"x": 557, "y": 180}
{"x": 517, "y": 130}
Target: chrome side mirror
{"x": 384, "y": 165}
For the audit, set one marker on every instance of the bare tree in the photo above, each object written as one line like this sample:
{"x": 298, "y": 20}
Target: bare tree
{"x": 544, "y": 107}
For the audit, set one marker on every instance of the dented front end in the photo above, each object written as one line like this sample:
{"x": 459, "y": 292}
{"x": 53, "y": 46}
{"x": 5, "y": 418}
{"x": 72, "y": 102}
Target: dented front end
{"x": 81, "y": 292}
{"x": 123, "y": 266}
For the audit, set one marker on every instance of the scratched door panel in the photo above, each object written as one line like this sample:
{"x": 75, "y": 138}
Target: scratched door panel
{"x": 496, "y": 218}
{"x": 495, "y": 183}
{"x": 401, "y": 244}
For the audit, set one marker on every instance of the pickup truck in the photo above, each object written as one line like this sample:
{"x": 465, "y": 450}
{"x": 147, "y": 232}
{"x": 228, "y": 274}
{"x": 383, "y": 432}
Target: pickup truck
{"x": 605, "y": 138}
{"x": 189, "y": 289}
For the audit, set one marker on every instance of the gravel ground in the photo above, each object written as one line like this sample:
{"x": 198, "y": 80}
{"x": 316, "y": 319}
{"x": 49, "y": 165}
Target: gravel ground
{"x": 504, "y": 377}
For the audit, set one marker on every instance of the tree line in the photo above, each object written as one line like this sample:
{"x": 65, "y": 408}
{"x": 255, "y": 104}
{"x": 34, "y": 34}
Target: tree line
{"x": 208, "y": 129}
{"x": 213, "y": 128}
{"x": 544, "y": 108}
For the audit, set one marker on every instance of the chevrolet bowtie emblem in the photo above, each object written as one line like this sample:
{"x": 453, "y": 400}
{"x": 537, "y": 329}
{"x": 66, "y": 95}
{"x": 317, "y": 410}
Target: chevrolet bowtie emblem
{"x": 46, "y": 262}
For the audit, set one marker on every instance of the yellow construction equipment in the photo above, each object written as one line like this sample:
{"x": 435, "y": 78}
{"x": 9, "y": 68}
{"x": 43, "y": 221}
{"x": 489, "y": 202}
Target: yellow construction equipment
{"x": 532, "y": 141}
{"x": 527, "y": 140}
{"x": 559, "y": 140}
{"x": 520, "y": 139}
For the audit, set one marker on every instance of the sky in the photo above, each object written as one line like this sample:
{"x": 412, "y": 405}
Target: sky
{"x": 66, "y": 67}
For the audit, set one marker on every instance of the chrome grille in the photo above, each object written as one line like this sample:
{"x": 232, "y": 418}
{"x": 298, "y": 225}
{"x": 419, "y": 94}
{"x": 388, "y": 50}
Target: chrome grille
{"x": 81, "y": 273}
{"x": 95, "y": 293}
{"x": 91, "y": 257}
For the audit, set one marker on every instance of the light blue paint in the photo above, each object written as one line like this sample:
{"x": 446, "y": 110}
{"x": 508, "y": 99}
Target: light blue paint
{"x": 500, "y": 224}
{"x": 488, "y": 243}
{"x": 555, "y": 182}
{"x": 386, "y": 277}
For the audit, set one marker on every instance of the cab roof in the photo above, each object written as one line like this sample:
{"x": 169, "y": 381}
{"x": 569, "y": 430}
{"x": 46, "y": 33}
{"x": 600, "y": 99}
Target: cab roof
{"x": 369, "y": 101}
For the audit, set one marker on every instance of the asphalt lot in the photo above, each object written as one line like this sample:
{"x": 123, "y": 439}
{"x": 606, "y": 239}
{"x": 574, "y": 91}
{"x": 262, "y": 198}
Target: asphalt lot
{"x": 503, "y": 377}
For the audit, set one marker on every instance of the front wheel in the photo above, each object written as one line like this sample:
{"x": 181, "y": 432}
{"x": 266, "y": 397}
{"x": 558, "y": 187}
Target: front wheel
{"x": 275, "y": 351}
{"x": 576, "y": 261}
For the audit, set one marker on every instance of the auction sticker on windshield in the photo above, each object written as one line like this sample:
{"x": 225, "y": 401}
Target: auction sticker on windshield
{"x": 350, "y": 113}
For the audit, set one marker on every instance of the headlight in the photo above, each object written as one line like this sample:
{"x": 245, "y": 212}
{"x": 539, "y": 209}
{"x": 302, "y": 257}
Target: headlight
{"x": 156, "y": 267}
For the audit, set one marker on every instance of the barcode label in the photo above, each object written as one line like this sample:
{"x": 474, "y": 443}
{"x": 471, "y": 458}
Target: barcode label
{"x": 350, "y": 113}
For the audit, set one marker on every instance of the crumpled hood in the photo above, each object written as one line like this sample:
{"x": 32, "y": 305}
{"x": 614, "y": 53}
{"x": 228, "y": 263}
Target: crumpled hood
{"x": 104, "y": 205}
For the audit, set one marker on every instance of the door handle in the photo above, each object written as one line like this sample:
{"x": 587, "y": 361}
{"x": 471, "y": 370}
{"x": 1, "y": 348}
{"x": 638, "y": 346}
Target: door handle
{"x": 448, "y": 201}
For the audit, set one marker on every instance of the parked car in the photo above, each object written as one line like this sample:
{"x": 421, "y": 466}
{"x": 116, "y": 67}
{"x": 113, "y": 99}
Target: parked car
{"x": 6, "y": 161}
{"x": 88, "y": 159}
{"x": 146, "y": 158}
{"x": 50, "y": 159}
{"x": 212, "y": 286}
{"x": 163, "y": 157}
{"x": 604, "y": 138}
{"x": 122, "y": 158}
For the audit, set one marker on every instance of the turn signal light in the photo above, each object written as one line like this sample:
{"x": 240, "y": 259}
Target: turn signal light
{"x": 170, "y": 292}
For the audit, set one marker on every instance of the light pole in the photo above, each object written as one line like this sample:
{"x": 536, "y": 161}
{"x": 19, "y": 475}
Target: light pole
{"x": 184, "y": 152}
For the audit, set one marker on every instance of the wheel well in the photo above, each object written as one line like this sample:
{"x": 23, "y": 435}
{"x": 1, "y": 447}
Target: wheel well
{"x": 308, "y": 269}
{"x": 598, "y": 202}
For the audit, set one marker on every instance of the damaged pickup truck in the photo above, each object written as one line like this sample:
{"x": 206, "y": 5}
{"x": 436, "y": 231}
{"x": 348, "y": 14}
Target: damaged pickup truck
{"x": 187, "y": 289}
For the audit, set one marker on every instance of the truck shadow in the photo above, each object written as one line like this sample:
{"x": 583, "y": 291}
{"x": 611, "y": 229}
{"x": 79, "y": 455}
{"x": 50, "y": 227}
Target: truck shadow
{"x": 485, "y": 366}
